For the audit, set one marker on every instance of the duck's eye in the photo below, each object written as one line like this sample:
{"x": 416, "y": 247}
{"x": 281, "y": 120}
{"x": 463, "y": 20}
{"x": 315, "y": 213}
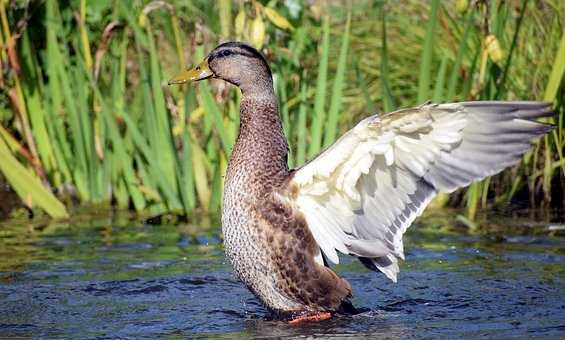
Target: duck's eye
{"x": 226, "y": 53}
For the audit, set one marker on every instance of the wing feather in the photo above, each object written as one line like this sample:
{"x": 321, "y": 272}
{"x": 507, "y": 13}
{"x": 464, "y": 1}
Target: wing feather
{"x": 360, "y": 196}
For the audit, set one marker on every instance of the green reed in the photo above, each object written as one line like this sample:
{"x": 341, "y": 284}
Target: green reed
{"x": 87, "y": 114}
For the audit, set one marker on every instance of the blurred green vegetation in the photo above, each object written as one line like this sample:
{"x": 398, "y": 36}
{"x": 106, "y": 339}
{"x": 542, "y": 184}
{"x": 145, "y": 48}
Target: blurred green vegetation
{"x": 86, "y": 117}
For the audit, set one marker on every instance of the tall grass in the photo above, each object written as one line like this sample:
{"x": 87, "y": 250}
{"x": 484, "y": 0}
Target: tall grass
{"x": 85, "y": 112}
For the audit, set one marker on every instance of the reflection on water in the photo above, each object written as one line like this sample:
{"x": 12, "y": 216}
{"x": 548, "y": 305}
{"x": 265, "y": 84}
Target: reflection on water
{"x": 98, "y": 277}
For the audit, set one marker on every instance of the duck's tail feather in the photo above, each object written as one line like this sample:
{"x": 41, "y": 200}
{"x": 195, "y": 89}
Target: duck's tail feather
{"x": 347, "y": 308}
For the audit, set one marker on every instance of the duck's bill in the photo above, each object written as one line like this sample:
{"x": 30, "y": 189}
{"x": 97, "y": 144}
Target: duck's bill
{"x": 200, "y": 72}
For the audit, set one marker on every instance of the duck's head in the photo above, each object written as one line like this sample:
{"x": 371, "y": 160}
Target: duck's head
{"x": 234, "y": 62}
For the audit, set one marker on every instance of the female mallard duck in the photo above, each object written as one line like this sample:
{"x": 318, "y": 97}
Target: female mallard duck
{"x": 281, "y": 227}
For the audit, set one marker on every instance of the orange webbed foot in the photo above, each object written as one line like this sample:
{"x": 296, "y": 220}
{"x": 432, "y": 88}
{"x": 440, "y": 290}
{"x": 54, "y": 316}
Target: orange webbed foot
{"x": 321, "y": 316}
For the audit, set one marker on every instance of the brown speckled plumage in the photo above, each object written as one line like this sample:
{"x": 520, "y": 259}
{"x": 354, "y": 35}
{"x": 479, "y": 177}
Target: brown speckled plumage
{"x": 358, "y": 197}
{"x": 266, "y": 240}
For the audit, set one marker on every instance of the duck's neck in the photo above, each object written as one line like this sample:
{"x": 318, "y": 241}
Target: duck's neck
{"x": 261, "y": 149}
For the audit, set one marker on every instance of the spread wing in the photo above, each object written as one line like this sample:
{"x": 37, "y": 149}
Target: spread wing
{"x": 361, "y": 194}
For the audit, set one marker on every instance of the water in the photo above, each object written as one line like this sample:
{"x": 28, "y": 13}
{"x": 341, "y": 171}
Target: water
{"x": 117, "y": 278}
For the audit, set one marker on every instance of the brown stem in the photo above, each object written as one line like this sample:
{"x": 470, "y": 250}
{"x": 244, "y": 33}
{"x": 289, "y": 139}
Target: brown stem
{"x": 21, "y": 115}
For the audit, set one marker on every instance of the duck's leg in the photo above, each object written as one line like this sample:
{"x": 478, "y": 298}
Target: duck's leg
{"x": 310, "y": 317}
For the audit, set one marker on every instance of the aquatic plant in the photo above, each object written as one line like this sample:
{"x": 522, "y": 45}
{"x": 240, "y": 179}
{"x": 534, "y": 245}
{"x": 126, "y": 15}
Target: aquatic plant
{"x": 86, "y": 116}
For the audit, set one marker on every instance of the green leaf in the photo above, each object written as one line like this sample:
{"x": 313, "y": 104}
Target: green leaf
{"x": 337, "y": 89}
{"x": 427, "y": 52}
{"x": 320, "y": 100}
{"x": 27, "y": 185}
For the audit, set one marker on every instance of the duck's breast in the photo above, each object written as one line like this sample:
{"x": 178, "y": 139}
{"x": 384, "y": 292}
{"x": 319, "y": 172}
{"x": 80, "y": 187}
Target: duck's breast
{"x": 246, "y": 239}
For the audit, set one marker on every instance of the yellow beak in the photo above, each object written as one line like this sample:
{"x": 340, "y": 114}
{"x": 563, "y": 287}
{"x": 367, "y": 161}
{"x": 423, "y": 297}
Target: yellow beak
{"x": 202, "y": 71}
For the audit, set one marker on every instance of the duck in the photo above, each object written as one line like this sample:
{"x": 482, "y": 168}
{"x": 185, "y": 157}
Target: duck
{"x": 283, "y": 228}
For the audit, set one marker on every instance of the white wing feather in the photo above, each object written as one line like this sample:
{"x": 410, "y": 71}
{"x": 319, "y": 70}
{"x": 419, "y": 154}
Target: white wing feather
{"x": 360, "y": 195}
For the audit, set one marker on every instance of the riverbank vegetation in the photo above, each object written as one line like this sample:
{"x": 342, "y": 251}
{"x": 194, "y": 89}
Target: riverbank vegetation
{"x": 86, "y": 116}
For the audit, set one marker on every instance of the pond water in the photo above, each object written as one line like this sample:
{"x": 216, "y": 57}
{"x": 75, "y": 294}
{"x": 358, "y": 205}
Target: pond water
{"x": 112, "y": 277}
